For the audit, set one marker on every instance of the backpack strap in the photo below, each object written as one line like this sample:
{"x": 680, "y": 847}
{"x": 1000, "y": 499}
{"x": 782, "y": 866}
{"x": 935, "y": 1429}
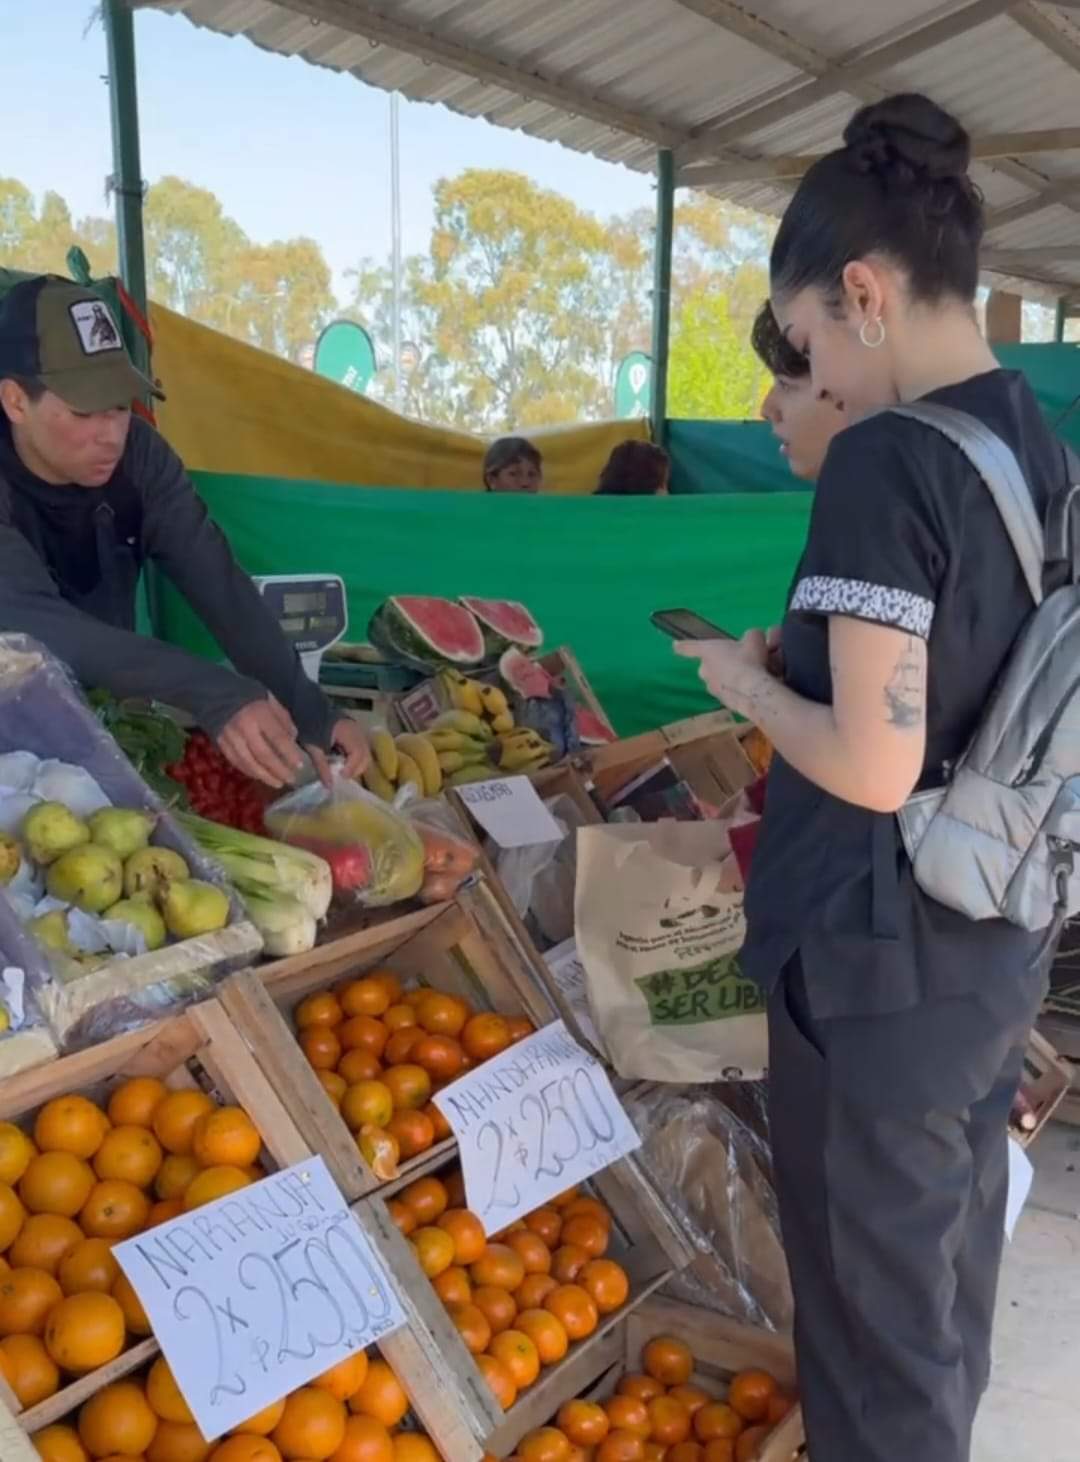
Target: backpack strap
{"x": 996, "y": 464}
{"x": 1062, "y": 542}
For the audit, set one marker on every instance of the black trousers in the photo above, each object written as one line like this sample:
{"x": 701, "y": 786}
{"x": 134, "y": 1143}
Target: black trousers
{"x": 891, "y": 1165}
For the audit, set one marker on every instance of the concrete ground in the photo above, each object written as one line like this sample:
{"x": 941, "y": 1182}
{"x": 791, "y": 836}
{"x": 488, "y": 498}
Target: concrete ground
{"x": 1032, "y": 1410}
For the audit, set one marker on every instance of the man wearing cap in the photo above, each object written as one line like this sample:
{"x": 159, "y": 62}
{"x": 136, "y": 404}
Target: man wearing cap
{"x": 88, "y": 493}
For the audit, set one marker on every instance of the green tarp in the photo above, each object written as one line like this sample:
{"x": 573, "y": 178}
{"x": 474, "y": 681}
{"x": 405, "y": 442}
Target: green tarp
{"x": 591, "y": 569}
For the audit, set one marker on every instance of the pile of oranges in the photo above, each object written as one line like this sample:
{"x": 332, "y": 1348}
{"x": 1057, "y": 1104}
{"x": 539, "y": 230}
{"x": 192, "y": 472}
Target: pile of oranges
{"x": 521, "y": 1299}
{"x": 351, "y": 1413}
{"x": 381, "y": 1051}
{"x": 84, "y": 1180}
{"x": 663, "y": 1415}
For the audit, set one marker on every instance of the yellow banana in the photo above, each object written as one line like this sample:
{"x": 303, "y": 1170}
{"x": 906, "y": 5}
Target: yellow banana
{"x": 376, "y": 782}
{"x": 385, "y": 752}
{"x": 455, "y": 741}
{"x": 453, "y": 761}
{"x": 463, "y": 693}
{"x": 502, "y": 723}
{"x": 475, "y": 773}
{"x": 421, "y": 751}
{"x": 408, "y": 771}
{"x": 516, "y": 757}
{"x": 465, "y": 721}
{"x": 494, "y": 700}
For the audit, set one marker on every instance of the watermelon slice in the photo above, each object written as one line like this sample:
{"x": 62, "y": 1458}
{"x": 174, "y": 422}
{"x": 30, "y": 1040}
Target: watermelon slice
{"x": 505, "y": 623}
{"x": 593, "y": 729}
{"x": 525, "y": 677}
{"x": 426, "y": 633}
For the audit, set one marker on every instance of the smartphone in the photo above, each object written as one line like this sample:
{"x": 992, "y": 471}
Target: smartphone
{"x": 684, "y": 624}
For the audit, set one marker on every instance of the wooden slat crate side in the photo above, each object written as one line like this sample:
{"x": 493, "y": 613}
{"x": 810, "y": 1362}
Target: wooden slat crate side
{"x": 1046, "y": 1083}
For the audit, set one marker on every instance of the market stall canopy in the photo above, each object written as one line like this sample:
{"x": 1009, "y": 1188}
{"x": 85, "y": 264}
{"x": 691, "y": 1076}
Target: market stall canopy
{"x": 744, "y": 96}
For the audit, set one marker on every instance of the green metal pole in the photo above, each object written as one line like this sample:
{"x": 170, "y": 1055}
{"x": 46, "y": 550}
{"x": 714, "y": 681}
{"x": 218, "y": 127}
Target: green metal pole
{"x": 126, "y": 180}
{"x": 661, "y": 312}
{"x": 1060, "y": 316}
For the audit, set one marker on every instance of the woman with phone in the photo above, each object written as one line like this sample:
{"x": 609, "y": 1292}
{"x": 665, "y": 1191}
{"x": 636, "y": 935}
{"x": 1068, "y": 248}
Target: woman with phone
{"x": 897, "y": 1026}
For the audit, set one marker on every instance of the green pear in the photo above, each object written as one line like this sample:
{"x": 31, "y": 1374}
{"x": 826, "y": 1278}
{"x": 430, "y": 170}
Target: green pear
{"x": 89, "y": 877}
{"x": 151, "y": 869}
{"x": 51, "y": 930}
{"x": 123, "y": 829}
{"x": 10, "y": 859}
{"x": 192, "y": 907}
{"x": 49, "y": 831}
{"x": 140, "y": 912}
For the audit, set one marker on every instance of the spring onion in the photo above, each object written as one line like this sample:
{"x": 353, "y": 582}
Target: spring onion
{"x": 285, "y": 924}
{"x": 261, "y": 868}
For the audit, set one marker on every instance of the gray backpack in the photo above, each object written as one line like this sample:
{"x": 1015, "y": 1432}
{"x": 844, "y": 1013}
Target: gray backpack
{"x": 1001, "y": 838}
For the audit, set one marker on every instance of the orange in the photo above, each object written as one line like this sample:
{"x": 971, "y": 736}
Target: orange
{"x": 164, "y": 1395}
{"x": 320, "y": 1009}
{"x": 440, "y": 1056}
{"x": 620, "y": 1446}
{"x": 59, "y": 1444}
{"x": 117, "y": 1419}
{"x": 434, "y": 1248}
{"x": 629, "y": 1414}
{"x": 214, "y": 1183}
{"x": 176, "y": 1441}
{"x": 16, "y": 1150}
{"x": 130, "y": 1154}
{"x": 381, "y": 1396}
{"x": 720, "y": 1449}
{"x": 401, "y": 1016}
{"x": 498, "y": 1265}
{"x": 368, "y": 996}
{"x": 545, "y": 1332}
{"x": 26, "y": 1297}
{"x": 485, "y": 1036}
{"x": 174, "y": 1121}
{"x": 413, "y": 1131}
{"x": 780, "y": 1404}
{"x": 410, "y": 1086}
{"x": 114, "y": 1210}
{"x": 518, "y": 1354}
{"x": 669, "y": 1360}
{"x": 334, "y": 1085}
{"x": 586, "y": 1203}
{"x": 134, "y": 1102}
{"x": 607, "y": 1282}
{"x": 175, "y": 1175}
{"x": 163, "y": 1210}
{"x": 368, "y": 1103}
{"x": 585, "y": 1423}
{"x": 88, "y": 1268}
{"x": 28, "y": 1369}
{"x": 379, "y": 1150}
{"x": 44, "y": 1240}
{"x": 531, "y": 1250}
{"x": 404, "y": 1218}
{"x": 56, "y": 1182}
{"x": 135, "y": 1317}
{"x": 390, "y": 982}
{"x": 692, "y": 1397}
{"x": 472, "y": 1325}
{"x": 467, "y": 1232}
{"x": 716, "y": 1419}
{"x": 321, "y": 1046}
{"x": 346, "y": 1377}
{"x": 534, "y": 1290}
{"x": 586, "y": 1231}
{"x": 452, "y": 1286}
{"x": 669, "y": 1421}
{"x": 499, "y": 1380}
{"x": 546, "y": 1444}
{"x": 427, "y": 1198}
{"x": 401, "y": 1044}
{"x": 567, "y": 1262}
{"x": 519, "y": 1027}
{"x": 563, "y": 1200}
{"x": 441, "y": 1014}
{"x": 575, "y": 1308}
{"x": 413, "y": 1447}
{"x": 356, "y": 1065}
{"x": 643, "y": 1387}
{"x": 366, "y": 1440}
{"x": 750, "y": 1393}
{"x": 497, "y": 1304}
{"x": 263, "y": 1422}
{"x": 686, "y": 1452}
{"x": 72, "y": 1124}
{"x": 226, "y": 1138}
{"x": 363, "y": 1033}
{"x": 748, "y": 1447}
{"x": 85, "y": 1331}
{"x": 245, "y": 1448}
{"x": 547, "y": 1222}
{"x": 312, "y": 1425}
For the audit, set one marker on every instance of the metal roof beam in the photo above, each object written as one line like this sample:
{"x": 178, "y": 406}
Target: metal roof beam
{"x": 1058, "y": 33}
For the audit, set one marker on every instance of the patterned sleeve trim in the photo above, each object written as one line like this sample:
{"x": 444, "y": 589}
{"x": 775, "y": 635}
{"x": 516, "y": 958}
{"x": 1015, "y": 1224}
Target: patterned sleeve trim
{"x": 860, "y": 600}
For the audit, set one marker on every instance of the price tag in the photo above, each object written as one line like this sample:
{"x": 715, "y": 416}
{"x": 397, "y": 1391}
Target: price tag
{"x": 510, "y": 811}
{"x": 568, "y": 972}
{"x": 533, "y": 1122}
{"x": 256, "y": 1293}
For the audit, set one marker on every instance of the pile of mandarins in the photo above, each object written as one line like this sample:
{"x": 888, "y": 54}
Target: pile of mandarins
{"x": 381, "y": 1051}
{"x": 662, "y": 1415}
{"x": 521, "y": 1299}
{"x": 351, "y": 1413}
{"x": 86, "y": 1179}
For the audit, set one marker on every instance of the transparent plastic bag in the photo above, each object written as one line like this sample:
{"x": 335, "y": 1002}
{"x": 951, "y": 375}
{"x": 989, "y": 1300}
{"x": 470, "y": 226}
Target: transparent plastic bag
{"x": 376, "y": 856}
{"x": 540, "y": 880}
{"x": 450, "y": 857}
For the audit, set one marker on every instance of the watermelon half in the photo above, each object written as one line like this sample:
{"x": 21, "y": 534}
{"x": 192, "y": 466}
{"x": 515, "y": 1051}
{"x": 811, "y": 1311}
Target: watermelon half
{"x": 525, "y": 677}
{"x": 426, "y": 633}
{"x": 505, "y": 623}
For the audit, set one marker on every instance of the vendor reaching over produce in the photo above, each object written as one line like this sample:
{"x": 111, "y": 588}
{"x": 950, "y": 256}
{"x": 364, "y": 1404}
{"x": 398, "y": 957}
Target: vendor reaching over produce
{"x": 512, "y": 464}
{"x": 87, "y": 495}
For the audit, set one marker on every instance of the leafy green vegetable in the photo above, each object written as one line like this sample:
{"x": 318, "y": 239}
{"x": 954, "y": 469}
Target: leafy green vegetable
{"x": 149, "y": 738}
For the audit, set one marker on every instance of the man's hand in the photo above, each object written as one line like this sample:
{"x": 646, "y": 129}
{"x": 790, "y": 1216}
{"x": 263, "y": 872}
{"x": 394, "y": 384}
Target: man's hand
{"x": 260, "y": 741}
{"x": 349, "y": 739}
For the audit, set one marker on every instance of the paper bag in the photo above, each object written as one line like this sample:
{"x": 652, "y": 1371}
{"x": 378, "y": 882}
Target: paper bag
{"x": 659, "y": 928}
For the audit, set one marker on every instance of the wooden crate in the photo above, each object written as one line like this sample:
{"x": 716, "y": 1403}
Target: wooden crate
{"x": 459, "y": 947}
{"x": 1045, "y": 1083}
{"x": 706, "y": 751}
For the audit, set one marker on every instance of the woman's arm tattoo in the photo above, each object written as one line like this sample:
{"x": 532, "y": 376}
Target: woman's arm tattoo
{"x": 904, "y": 689}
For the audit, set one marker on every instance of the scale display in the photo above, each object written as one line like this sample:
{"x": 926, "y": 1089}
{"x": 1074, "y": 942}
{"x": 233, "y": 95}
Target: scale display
{"x": 311, "y": 610}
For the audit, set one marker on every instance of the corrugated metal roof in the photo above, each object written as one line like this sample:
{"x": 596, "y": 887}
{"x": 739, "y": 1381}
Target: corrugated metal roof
{"x": 722, "y": 83}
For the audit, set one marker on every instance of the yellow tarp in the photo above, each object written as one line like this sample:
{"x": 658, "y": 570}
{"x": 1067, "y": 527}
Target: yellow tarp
{"x": 234, "y": 409}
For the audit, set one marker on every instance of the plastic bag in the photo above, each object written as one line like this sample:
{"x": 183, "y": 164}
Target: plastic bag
{"x": 375, "y": 855}
{"x": 450, "y": 858}
{"x": 540, "y": 880}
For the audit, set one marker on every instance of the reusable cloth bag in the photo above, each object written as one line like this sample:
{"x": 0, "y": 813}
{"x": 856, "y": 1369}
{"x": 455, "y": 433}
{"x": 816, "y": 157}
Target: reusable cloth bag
{"x": 659, "y": 926}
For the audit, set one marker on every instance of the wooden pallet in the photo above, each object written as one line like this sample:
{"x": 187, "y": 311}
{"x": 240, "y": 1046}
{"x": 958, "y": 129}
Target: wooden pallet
{"x": 460, "y": 947}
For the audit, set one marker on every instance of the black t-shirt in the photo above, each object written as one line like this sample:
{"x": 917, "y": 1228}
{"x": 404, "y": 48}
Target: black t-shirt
{"x": 905, "y": 533}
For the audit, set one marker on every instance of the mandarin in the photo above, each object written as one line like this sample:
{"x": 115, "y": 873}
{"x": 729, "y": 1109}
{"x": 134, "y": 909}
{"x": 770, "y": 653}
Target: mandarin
{"x": 366, "y": 1440}
{"x": 134, "y": 1102}
{"x": 452, "y": 1286}
{"x": 498, "y": 1305}
{"x": 56, "y": 1182}
{"x": 356, "y": 1066}
{"x": 434, "y": 1249}
{"x": 669, "y": 1360}
{"x": 44, "y": 1240}
{"x": 321, "y": 1046}
{"x": 379, "y": 1150}
{"x": 518, "y": 1354}
{"x": 321, "y": 1008}
{"x": 545, "y": 1444}
{"x": 534, "y": 1290}
{"x": 498, "y": 1265}
{"x": 669, "y": 1421}
{"x": 368, "y": 1103}
{"x": 402, "y": 1043}
{"x": 176, "y": 1441}
{"x": 175, "y": 1176}
{"x": 214, "y": 1183}
{"x": 472, "y": 1325}
{"x": 546, "y": 1332}
{"x": 498, "y": 1379}
{"x": 629, "y": 1414}
{"x": 114, "y": 1210}
{"x": 467, "y": 1232}
{"x": 59, "y": 1444}
{"x": 85, "y": 1331}
{"x": 575, "y": 1308}
{"x": 381, "y": 1395}
{"x": 750, "y": 1393}
{"x": 607, "y": 1282}
{"x": 620, "y": 1446}
{"x": 412, "y": 1131}
{"x": 333, "y": 1085}
{"x": 586, "y": 1231}
{"x": 643, "y": 1387}
{"x": 531, "y": 1250}
{"x": 16, "y": 1150}
{"x": 28, "y": 1369}
{"x": 567, "y": 1262}
{"x": 312, "y": 1426}
{"x": 26, "y": 1298}
{"x": 363, "y": 1033}
{"x": 441, "y": 1014}
{"x": 486, "y": 1035}
{"x": 547, "y": 1222}
{"x": 226, "y": 1137}
{"x": 427, "y": 1198}
{"x": 174, "y": 1121}
{"x": 440, "y": 1056}
{"x": 584, "y": 1422}
{"x": 117, "y": 1419}
{"x": 346, "y": 1378}
{"x": 405, "y": 1219}
{"x": 692, "y": 1397}
{"x": 366, "y": 996}
{"x": 71, "y": 1124}
{"x": 88, "y": 1267}
{"x": 720, "y": 1449}
{"x": 717, "y": 1419}
{"x": 131, "y": 1154}
{"x": 409, "y": 1085}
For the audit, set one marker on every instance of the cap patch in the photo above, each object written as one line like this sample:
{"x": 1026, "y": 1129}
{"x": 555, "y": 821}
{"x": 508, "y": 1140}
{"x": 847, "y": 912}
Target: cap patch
{"x": 95, "y": 327}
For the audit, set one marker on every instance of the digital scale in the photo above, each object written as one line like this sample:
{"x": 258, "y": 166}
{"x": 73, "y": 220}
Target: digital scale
{"x": 311, "y": 611}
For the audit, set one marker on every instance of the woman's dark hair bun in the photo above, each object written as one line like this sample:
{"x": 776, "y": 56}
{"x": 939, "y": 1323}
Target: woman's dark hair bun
{"x": 908, "y": 136}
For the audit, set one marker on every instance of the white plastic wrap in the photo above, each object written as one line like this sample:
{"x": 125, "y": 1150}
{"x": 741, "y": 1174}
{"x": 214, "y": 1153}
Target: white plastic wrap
{"x": 541, "y": 879}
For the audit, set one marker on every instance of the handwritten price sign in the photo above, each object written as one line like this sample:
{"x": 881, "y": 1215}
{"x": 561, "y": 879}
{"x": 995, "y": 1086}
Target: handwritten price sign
{"x": 532, "y": 1122}
{"x": 509, "y": 810}
{"x": 257, "y": 1293}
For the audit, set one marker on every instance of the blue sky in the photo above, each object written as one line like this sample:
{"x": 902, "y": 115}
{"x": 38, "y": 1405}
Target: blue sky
{"x": 287, "y": 147}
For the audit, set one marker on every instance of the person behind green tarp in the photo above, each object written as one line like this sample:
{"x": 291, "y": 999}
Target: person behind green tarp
{"x": 635, "y": 469}
{"x": 804, "y": 419}
{"x": 513, "y": 464}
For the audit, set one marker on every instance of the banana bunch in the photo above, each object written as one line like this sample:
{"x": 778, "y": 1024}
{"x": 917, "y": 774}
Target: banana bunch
{"x": 487, "y": 702}
{"x": 469, "y": 750}
{"x": 524, "y": 751}
{"x": 396, "y": 761}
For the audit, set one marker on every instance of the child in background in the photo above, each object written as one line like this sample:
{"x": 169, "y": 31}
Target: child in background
{"x": 513, "y": 464}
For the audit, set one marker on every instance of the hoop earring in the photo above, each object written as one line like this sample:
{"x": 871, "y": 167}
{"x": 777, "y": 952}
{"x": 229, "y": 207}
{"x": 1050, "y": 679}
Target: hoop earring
{"x": 863, "y": 335}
